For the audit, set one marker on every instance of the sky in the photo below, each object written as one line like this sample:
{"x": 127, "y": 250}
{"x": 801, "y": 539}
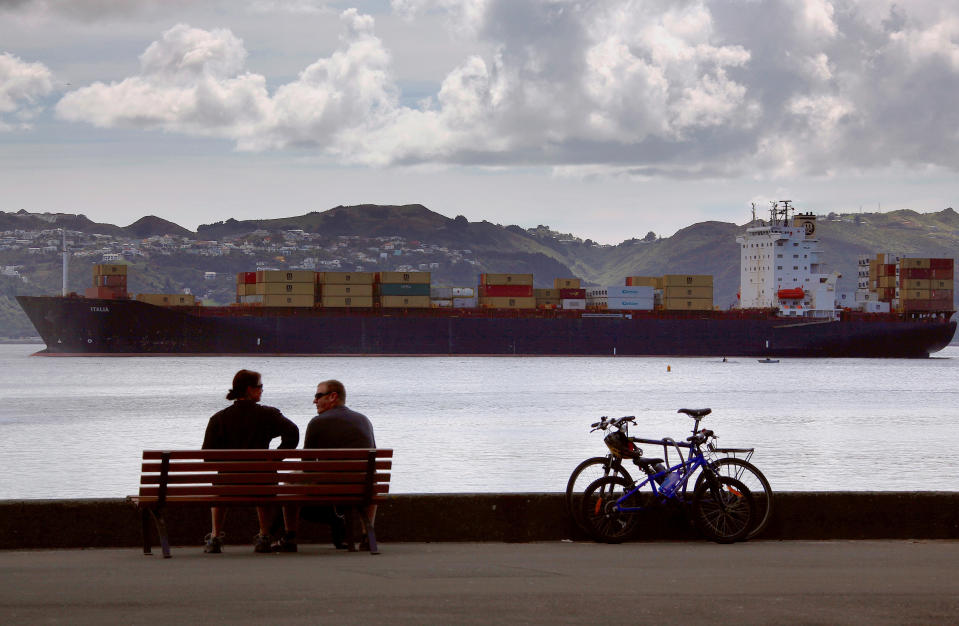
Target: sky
{"x": 604, "y": 118}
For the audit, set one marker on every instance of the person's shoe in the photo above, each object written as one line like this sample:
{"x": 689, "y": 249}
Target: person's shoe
{"x": 261, "y": 544}
{"x": 286, "y": 543}
{"x": 213, "y": 545}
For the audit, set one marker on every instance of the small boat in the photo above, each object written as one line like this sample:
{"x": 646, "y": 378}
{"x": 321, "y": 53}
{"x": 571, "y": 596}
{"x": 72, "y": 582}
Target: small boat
{"x": 769, "y": 360}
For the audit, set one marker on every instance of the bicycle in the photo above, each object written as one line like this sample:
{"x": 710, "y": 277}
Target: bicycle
{"x": 724, "y": 461}
{"x": 721, "y": 506}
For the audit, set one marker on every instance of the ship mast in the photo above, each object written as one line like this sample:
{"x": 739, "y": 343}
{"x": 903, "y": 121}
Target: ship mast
{"x": 66, "y": 262}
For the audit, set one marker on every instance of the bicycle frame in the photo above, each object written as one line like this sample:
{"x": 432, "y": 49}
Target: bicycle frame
{"x": 688, "y": 466}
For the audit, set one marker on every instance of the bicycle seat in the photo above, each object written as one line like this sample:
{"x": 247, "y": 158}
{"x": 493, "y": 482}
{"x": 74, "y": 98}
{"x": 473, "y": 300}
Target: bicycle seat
{"x": 695, "y": 412}
{"x": 645, "y": 461}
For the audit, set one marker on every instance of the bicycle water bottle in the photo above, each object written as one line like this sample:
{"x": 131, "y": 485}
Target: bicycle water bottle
{"x": 671, "y": 480}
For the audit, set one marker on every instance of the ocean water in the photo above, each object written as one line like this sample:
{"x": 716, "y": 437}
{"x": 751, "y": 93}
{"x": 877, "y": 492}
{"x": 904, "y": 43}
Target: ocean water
{"x": 75, "y": 427}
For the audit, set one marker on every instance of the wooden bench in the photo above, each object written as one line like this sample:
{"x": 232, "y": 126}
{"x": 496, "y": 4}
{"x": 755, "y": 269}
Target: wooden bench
{"x": 352, "y": 478}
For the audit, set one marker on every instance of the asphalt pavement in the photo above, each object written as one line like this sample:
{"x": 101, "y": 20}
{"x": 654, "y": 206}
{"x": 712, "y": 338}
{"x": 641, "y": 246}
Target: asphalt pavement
{"x": 761, "y": 582}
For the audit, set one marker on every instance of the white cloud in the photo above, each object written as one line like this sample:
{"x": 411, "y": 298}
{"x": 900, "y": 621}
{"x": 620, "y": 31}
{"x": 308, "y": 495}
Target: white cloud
{"x": 22, "y": 84}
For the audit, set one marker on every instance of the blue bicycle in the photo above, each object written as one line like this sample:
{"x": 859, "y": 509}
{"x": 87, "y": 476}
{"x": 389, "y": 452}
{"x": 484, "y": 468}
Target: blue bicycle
{"x": 722, "y": 507}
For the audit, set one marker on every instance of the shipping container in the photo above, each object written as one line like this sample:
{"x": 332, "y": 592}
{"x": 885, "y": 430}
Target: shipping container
{"x": 546, "y": 294}
{"x": 285, "y": 289}
{"x": 251, "y": 299}
{"x": 413, "y": 302}
{"x": 572, "y": 294}
{"x": 914, "y": 263}
{"x": 919, "y": 273}
{"x": 941, "y": 284}
{"x": 566, "y": 283}
{"x": 941, "y": 264}
{"x": 631, "y": 292}
{"x": 508, "y": 303}
{"x": 245, "y": 278}
{"x": 506, "y": 279}
{"x": 505, "y": 291}
{"x": 942, "y": 273}
{"x": 105, "y": 269}
{"x": 687, "y": 280}
{"x": 630, "y": 304}
{"x": 886, "y": 270}
{"x": 291, "y": 300}
{"x": 183, "y": 299}
{"x": 105, "y": 293}
{"x": 914, "y": 294}
{"x": 887, "y": 282}
{"x": 405, "y": 290}
{"x": 441, "y": 293}
{"x": 440, "y": 303}
{"x": 343, "y": 278}
{"x": 462, "y": 292}
{"x": 285, "y": 276}
{"x": 926, "y": 305}
{"x": 110, "y": 280}
{"x": 644, "y": 281}
{"x": 553, "y": 302}
{"x": 688, "y": 292}
{"x": 688, "y": 304}
{"x": 417, "y": 278}
{"x": 347, "y": 301}
{"x": 158, "y": 299}
{"x": 941, "y": 294}
{"x": 336, "y": 289}
{"x": 573, "y": 304}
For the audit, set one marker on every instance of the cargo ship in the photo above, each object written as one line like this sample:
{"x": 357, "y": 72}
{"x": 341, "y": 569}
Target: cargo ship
{"x": 788, "y": 308}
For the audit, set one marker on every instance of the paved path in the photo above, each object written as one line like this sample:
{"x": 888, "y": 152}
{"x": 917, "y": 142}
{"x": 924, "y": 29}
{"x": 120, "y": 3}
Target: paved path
{"x": 863, "y": 582}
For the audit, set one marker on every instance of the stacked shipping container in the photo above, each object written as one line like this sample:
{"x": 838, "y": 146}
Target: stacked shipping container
{"x": 506, "y": 291}
{"x": 345, "y": 289}
{"x": 925, "y": 284}
{"x": 109, "y": 282}
{"x": 403, "y": 289}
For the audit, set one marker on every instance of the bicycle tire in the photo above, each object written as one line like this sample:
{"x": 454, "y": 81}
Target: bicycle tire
{"x": 601, "y": 520}
{"x": 758, "y": 486}
{"x": 723, "y": 514}
{"x": 586, "y": 473}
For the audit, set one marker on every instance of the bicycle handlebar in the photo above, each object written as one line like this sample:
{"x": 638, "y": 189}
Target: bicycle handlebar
{"x": 604, "y": 422}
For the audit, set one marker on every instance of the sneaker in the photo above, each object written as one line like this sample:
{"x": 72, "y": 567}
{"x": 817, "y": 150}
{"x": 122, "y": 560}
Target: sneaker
{"x": 286, "y": 543}
{"x": 261, "y": 544}
{"x": 213, "y": 545}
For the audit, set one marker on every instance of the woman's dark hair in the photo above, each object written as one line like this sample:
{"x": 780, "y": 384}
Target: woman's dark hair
{"x": 243, "y": 380}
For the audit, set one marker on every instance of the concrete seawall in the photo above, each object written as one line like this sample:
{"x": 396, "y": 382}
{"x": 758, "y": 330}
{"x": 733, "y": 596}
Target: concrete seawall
{"x": 26, "y": 524}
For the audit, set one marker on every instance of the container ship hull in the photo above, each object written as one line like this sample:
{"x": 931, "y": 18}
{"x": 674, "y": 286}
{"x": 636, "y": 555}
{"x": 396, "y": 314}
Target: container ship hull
{"x": 87, "y": 326}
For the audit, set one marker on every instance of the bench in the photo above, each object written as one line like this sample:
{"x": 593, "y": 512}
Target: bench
{"x": 351, "y": 478}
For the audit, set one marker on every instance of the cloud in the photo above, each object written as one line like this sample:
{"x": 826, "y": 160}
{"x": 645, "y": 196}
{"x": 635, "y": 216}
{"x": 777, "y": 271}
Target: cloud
{"x": 22, "y": 85}
{"x": 676, "y": 88}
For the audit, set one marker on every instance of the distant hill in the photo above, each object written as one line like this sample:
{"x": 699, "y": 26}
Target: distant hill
{"x": 703, "y": 248}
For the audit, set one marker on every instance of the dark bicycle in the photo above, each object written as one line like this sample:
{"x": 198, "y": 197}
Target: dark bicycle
{"x": 732, "y": 462}
{"x": 721, "y": 506}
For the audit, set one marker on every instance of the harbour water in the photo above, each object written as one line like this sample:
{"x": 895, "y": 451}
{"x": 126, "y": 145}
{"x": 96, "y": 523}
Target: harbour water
{"x": 75, "y": 427}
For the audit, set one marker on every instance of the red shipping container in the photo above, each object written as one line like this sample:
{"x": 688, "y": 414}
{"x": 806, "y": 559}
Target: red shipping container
{"x": 249, "y": 278}
{"x": 572, "y": 294}
{"x": 941, "y": 264}
{"x": 915, "y": 272}
{"x": 942, "y": 274}
{"x": 111, "y": 280}
{"x": 506, "y": 291}
{"x": 887, "y": 269}
{"x": 105, "y": 293}
{"x": 941, "y": 294}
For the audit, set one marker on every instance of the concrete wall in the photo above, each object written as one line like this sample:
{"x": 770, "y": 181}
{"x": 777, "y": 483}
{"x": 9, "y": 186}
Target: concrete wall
{"x": 483, "y": 517}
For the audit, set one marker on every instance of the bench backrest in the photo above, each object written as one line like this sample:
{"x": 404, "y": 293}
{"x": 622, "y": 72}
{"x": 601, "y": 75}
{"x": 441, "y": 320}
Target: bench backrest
{"x": 273, "y": 476}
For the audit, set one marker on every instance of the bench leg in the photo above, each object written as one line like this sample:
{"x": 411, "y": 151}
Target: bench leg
{"x": 145, "y": 529}
{"x": 161, "y": 530}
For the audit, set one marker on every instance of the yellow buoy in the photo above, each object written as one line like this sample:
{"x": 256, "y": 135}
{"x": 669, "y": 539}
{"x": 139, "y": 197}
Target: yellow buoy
{"x": 668, "y": 369}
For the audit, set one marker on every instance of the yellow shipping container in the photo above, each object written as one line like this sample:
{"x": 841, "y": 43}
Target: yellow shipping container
{"x": 337, "y": 289}
{"x": 915, "y": 283}
{"x": 183, "y": 299}
{"x": 644, "y": 281}
{"x": 298, "y": 301}
{"x": 415, "y": 278}
{"x": 104, "y": 269}
{"x": 566, "y": 283}
{"x": 914, "y": 263}
{"x": 688, "y": 292}
{"x": 508, "y": 303}
{"x": 347, "y": 301}
{"x": 688, "y": 304}
{"x": 345, "y": 278}
{"x": 914, "y": 294}
{"x": 937, "y": 283}
{"x": 506, "y": 279}
{"x": 285, "y": 276}
{"x": 886, "y": 282}
{"x": 413, "y": 302}
{"x": 687, "y": 280}
{"x": 549, "y": 301}
{"x": 548, "y": 293}
{"x": 285, "y": 289}
{"x": 158, "y": 299}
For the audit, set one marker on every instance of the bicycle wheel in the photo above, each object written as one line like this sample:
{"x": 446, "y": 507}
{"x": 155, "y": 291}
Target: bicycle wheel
{"x": 749, "y": 475}
{"x": 586, "y": 473}
{"x": 723, "y": 511}
{"x": 598, "y": 510}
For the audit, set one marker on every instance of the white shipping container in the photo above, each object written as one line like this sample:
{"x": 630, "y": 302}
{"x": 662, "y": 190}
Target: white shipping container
{"x": 441, "y": 304}
{"x": 441, "y": 293}
{"x": 577, "y": 304}
{"x": 251, "y": 299}
{"x": 464, "y": 303}
{"x": 462, "y": 292}
{"x": 635, "y": 304}
{"x": 629, "y": 293}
